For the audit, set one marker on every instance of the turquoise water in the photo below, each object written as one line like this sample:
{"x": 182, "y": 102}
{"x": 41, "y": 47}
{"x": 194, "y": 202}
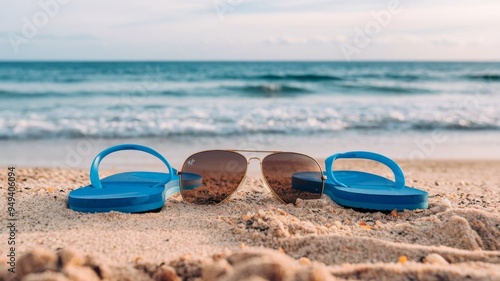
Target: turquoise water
{"x": 120, "y": 100}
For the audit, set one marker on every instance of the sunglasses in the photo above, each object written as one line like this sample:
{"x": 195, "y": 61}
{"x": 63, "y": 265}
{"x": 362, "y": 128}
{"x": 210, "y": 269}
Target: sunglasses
{"x": 210, "y": 177}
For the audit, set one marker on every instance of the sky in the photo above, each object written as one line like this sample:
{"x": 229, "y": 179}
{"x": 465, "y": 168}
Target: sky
{"x": 250, "y": 30}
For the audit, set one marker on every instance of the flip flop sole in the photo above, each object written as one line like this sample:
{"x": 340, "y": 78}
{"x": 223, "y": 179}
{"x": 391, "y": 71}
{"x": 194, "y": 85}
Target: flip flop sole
{"x": 129, "y": 192}
{"x": 365, "y": 191}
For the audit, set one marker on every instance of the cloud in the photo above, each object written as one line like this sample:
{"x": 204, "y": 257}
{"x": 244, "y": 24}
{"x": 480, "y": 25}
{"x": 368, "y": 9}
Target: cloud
{"x": 313, "y": 40}
{"x": 446, "y": 42}
{"x": 180, "y": 29}
{"x": 285, "y": 41}
{"x": 436, "y": 40}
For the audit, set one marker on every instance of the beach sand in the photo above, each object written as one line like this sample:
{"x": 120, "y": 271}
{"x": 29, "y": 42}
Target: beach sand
{"x": 253, "y": 236}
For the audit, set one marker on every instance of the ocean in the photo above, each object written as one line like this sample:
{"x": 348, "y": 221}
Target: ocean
{"x": 267, "y": 105}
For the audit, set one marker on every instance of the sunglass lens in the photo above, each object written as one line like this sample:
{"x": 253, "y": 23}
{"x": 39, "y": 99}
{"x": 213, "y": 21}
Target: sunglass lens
{"x": 210, "y": 177}
{"x": 284, "y": 173}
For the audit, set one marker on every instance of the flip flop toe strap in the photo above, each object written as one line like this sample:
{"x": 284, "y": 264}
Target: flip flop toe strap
{"x": 94, "y": 168}
{"x": 398, "y": 173}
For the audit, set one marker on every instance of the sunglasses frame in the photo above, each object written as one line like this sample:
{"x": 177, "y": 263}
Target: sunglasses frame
{"x": 243, "y": 180}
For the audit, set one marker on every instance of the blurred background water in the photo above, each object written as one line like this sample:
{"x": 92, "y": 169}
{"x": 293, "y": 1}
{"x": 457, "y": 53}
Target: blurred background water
{"x": 265, "y": 105}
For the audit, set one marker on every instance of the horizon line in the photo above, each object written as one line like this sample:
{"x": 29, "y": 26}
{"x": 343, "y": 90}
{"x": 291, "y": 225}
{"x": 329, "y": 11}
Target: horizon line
{"x": 256, "y": 61}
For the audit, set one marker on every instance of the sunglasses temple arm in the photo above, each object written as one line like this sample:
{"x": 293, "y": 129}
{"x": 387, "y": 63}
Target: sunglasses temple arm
{"x": 172, "y": 186}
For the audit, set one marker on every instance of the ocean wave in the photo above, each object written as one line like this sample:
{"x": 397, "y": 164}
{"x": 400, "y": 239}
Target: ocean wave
{"x": 76, "y": 100}
{"x": 406, "y": 77}
{"x": 201, "y": 129}
{"x": 263, "y": 90}
{"x": 240, "y": 119}
{"x": 270, "y": 89}
{"x": 386, "y": 89}
{"x": 485, "y": 77}
{"x": 300, "y": 77}
{"x": 28, "y": 95}
{"x": 392, "y": 76}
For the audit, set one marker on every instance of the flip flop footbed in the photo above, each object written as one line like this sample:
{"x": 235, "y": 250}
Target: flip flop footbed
{"x": 124, "y": 192}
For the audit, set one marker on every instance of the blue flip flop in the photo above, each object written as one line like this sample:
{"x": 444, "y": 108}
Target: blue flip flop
{"x": 130, "y": 192}
{"x": 363, "y": 190}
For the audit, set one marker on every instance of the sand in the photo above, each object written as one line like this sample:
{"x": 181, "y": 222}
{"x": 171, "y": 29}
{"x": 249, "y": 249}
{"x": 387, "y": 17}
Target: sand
{"x": 252, "y": 236}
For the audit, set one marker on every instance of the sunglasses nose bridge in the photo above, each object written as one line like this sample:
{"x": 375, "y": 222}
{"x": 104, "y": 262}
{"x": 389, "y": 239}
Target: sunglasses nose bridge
{"x": 254, "y": 158}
